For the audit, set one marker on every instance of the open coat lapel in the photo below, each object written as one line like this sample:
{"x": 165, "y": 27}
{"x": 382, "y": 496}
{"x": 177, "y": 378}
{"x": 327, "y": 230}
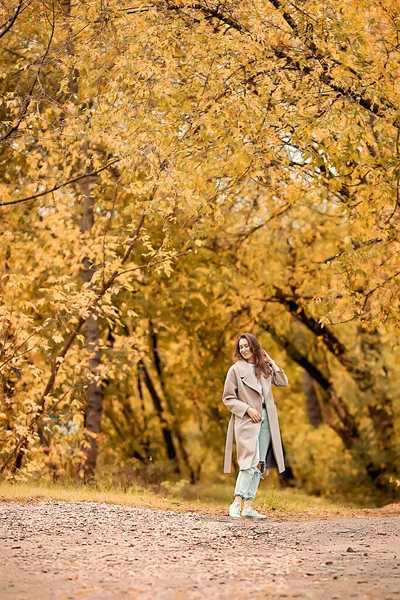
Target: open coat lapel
{"x": 247, "y": 375}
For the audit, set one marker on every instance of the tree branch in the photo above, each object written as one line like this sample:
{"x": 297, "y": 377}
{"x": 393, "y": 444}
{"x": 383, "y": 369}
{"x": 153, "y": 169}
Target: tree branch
{"x": 60, "y": 185}
{"x": 28, "y": 99}
{"x": 280, "y": 52}
{"x": 327, "y": 78}
{"x": 11, "y": 20}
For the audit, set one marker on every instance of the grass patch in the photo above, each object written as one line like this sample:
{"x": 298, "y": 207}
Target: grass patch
{"x": 204, "y": 498}
{"x": 281, "y": 502}
{"x": 138, "y": 496}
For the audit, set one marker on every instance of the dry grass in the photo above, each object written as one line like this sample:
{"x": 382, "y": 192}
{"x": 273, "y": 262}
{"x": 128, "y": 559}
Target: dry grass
{"x": 133, "y": 496}
{"x": 201, "y": 498}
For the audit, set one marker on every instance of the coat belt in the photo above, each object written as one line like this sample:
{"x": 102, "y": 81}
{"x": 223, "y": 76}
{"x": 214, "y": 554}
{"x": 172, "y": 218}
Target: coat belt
{"x": 229, "y": 445}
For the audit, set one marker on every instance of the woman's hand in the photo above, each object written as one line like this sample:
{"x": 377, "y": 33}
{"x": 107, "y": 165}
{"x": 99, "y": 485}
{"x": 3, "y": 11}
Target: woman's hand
{"x": 269, "y": 359}
{"x": 254, "y": 415}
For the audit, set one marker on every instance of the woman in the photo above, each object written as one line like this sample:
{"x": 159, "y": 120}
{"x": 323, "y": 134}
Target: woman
{"x": 248, "y": 395}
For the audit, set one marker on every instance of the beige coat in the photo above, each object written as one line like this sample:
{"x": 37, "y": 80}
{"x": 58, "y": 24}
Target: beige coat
{"x": 240, "y": 392}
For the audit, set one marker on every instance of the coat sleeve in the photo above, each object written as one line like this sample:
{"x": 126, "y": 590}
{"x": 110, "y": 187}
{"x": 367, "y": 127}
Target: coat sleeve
{"x": 279, "y": 378}
{"x": 229, "y": 395}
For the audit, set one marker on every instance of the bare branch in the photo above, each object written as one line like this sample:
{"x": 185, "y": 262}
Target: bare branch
{"x": 8, "y": 24}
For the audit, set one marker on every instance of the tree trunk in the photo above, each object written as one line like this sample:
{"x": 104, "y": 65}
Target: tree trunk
{"x": 94, "y": 401}
{"x": 380, "y": 411}
{"x": 167, "y": 434}
{"x": 286, "y": 479}
{"x": 95, "y": 391}
{"x": 312, "y": 406}
{"x": 170, "y": 405}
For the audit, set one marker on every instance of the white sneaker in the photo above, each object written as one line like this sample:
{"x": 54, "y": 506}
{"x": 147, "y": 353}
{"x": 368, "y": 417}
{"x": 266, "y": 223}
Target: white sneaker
{"x": 234, "y": 510}
{"x": 252, "y": 513}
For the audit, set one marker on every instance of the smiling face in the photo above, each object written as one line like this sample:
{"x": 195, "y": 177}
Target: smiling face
{"x": 245, "y": 350}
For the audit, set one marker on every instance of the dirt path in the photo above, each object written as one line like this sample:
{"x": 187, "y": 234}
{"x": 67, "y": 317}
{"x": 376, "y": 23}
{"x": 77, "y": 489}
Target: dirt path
{"x": 61, "y": 550}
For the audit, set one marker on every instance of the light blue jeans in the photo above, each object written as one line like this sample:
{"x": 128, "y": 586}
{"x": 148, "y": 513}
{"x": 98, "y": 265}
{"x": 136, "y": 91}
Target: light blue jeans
{"x": 248, "y": 480}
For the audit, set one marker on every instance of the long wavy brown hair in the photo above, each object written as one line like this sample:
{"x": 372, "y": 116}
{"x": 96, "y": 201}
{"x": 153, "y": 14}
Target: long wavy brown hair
{"x": 261, "y": 365}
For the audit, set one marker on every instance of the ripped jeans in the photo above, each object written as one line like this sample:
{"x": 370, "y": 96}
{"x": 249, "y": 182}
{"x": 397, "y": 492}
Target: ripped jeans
{"x": 248, "y": 480}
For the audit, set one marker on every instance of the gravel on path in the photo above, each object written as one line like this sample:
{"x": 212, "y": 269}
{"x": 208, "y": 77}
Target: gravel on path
{"x": 91, "y": 551}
